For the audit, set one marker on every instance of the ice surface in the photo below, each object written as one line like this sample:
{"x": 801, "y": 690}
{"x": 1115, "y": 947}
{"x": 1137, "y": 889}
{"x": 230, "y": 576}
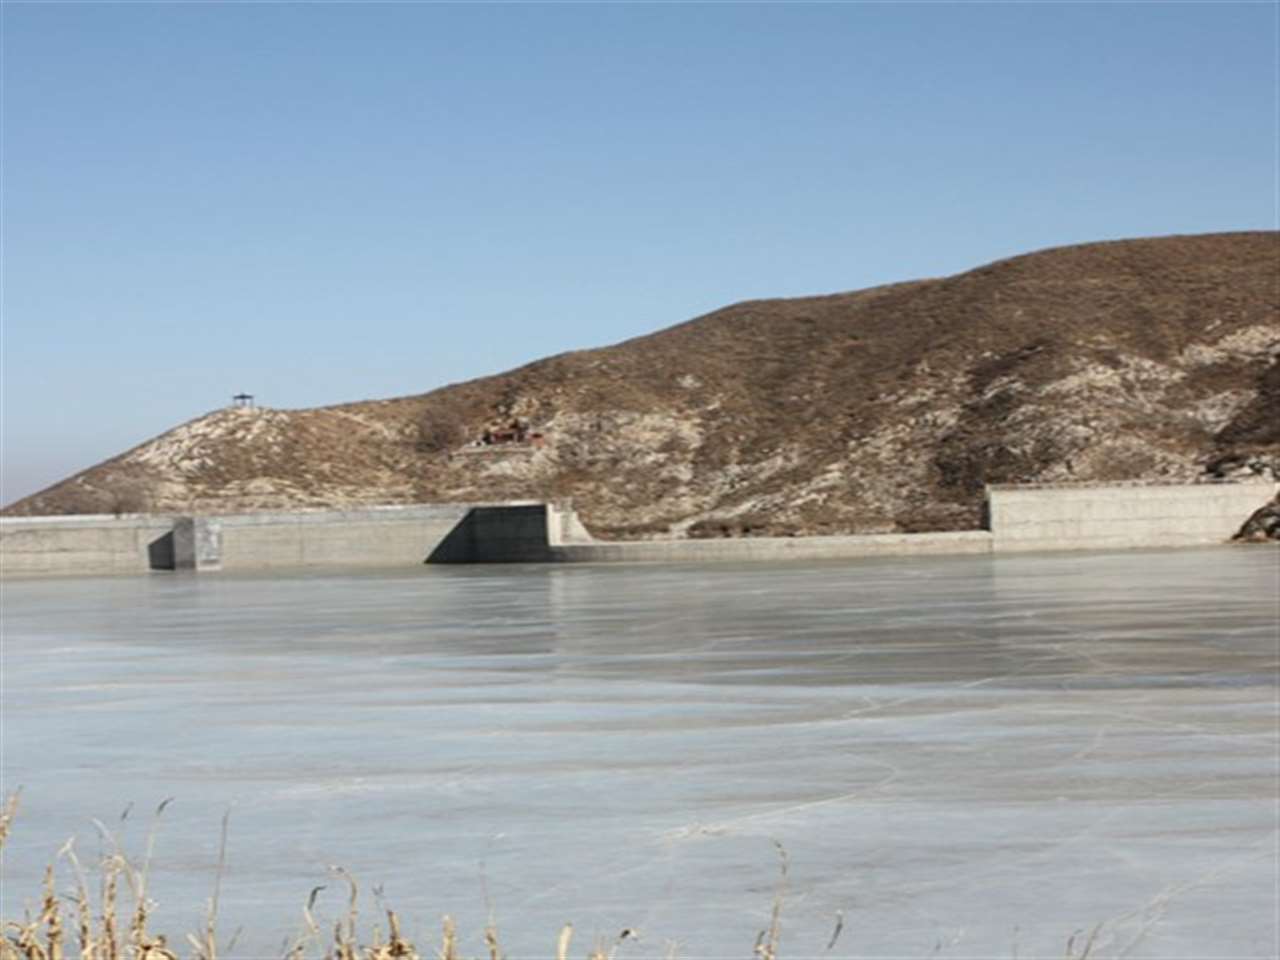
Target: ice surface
{"x": 969, "y": 757}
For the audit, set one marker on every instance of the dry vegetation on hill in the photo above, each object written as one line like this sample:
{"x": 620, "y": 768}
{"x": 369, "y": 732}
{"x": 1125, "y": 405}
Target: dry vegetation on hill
{"x": 881, "y": 410}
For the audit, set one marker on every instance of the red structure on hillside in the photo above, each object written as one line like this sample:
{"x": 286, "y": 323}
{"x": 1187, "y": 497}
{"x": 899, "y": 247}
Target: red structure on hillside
{"x": 512, "y": 431}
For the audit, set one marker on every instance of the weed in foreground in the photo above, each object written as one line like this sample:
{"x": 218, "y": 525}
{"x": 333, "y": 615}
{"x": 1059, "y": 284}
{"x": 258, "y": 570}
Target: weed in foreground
{"x": 100, "y": 936}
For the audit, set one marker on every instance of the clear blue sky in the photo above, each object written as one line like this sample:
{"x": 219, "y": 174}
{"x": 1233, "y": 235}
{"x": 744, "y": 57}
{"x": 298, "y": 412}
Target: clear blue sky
{"x": 323, "y": 203}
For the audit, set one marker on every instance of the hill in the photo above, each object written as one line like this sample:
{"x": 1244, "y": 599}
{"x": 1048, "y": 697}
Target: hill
{"x": 880, "y": 410}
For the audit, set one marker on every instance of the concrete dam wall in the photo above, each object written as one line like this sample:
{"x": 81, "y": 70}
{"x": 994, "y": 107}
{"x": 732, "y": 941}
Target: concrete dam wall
{"x": 1119, "y": 516}
{"x": 378, "y": 537}
{"x": 1023, "y": 518}
{"x": 51, "y": 546}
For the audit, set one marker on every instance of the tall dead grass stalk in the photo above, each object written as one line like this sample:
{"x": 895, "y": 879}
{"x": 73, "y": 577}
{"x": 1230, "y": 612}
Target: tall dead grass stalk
{"x": 562, "y": 943}
{"x": 7, "y": 812}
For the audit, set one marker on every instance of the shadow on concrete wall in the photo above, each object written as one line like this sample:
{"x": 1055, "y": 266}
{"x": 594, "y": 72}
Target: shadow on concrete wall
{"x": 160, "y": 552}
{"x": 514, "y": 533}
{"x": 459, "y": 546}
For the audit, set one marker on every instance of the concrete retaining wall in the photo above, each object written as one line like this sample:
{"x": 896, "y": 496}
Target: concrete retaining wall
{"x": 56, "y": 546}
{"x": 380, "y": 536}
{"x": 385, "y": 536}
{"x": 1062, "y": 517}
{"x": 1118, "y": 516}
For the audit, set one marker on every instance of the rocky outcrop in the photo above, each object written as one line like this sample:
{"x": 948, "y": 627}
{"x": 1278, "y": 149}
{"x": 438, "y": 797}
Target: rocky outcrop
{"x": 1263, "y": 526}
{"x": 1243, "y": 466}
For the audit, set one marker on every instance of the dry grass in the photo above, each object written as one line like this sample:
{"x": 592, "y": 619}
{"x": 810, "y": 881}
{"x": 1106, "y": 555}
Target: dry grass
{"x": 100, "y": 934}
{"x": 7, "y": 813}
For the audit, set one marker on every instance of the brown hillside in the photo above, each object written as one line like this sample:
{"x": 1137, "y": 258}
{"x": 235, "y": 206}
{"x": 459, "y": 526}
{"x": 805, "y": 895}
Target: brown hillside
{"x": 885, "y": 409}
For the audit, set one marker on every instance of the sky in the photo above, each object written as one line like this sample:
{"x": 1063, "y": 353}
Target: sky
{"x": 321, "y": 203}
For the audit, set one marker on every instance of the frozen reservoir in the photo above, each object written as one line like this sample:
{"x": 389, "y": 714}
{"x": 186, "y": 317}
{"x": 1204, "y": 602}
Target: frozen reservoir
{"x": 968, "y": 757}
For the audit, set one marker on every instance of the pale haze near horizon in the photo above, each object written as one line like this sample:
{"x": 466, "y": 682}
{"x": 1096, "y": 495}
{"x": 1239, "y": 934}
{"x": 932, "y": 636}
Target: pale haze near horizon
{"x": 328, "y": 203}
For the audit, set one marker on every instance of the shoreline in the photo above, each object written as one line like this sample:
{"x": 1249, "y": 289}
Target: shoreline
{"x": 1020, "y": 518}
